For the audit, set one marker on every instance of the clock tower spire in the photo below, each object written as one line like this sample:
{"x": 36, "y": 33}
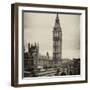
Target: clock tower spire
{"x": 57, "y": 41}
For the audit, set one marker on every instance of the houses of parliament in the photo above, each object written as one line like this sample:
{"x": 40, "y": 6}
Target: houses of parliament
{"x": 36, "y": 64}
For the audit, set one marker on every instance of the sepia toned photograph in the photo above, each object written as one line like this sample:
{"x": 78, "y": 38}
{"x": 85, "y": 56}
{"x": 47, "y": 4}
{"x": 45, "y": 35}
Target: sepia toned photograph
{"x": 51, "y": 44}
{"x": 48, "y": 44}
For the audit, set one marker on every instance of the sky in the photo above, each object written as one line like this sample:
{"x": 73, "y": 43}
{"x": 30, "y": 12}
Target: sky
{"x": 38, "y": 27}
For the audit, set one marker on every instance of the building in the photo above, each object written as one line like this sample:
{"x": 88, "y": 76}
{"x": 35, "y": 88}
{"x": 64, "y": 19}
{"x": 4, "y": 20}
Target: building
{"x": 33, "y": 60}
{"x": 57, "y": 42}
{"x": 36, "y": 64}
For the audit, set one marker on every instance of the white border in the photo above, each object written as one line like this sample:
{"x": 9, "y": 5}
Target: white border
{"x": 82, "y": 48}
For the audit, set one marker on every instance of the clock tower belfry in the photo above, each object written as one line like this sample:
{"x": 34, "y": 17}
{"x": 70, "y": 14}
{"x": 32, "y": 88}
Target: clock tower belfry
{"x": 57, "y": 42}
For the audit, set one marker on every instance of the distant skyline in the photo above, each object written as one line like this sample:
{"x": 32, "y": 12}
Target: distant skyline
{"x": 38, "y": 27}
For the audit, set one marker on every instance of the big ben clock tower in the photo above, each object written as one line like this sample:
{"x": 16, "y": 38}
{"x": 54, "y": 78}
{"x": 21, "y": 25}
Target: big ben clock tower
{"x": 57, "y": 42}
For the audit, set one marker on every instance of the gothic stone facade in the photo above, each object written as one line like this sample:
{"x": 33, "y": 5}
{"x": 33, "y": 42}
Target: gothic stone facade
{"x": 33, "y": 60}
{"x": 57, "y": 42}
